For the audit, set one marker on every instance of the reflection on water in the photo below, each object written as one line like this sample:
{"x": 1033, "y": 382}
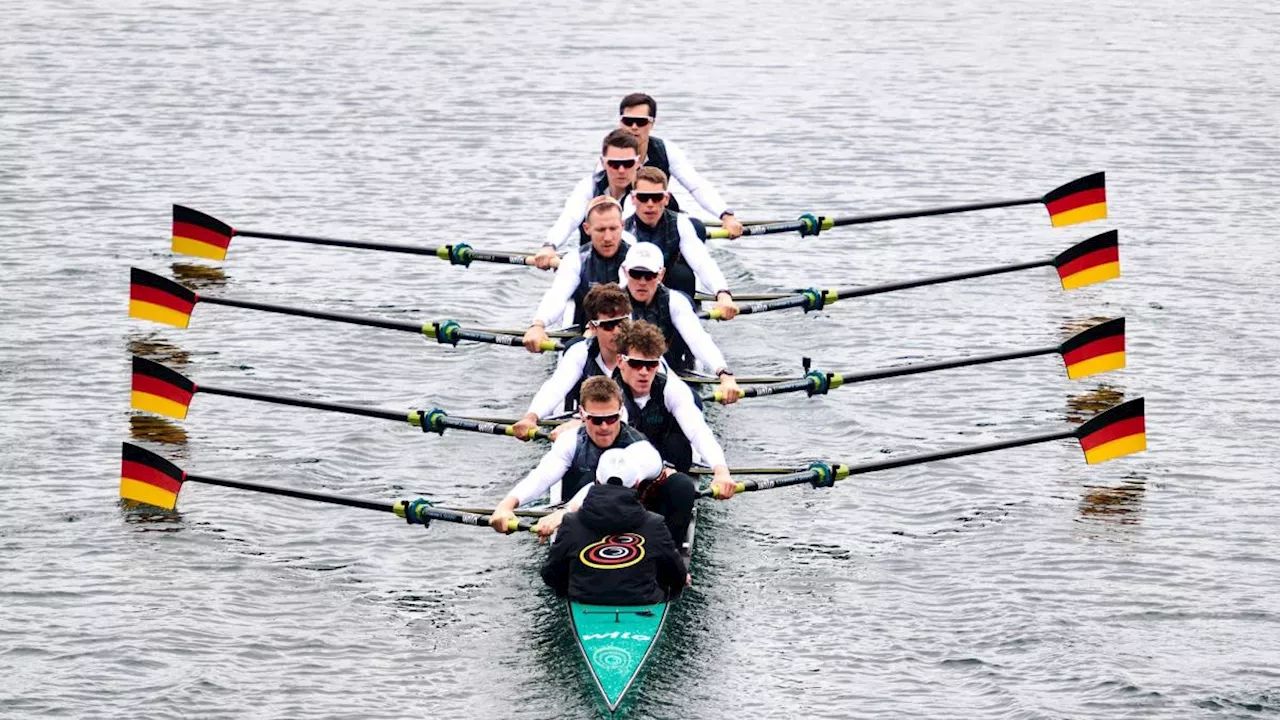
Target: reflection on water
{"x": 199, "y": 277}
{"x": 152, "y": 347}
{"x": 1084, "y": 405}
{"x": 156, "y": 429}
{"x": 1120, "y": 503}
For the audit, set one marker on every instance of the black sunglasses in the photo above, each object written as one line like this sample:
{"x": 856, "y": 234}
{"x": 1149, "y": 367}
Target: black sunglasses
{"x": 598, "y": 420}
{"x": 650, "y": 197}
{"x": 638, "y": 274}
{"x": 638, "y": 363}
{"x": 633, "y": 121}
{"x": 619, "y": 164}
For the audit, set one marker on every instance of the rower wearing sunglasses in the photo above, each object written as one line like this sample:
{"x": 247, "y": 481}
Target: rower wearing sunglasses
{"x": 619, "y": 161}
{"x": 574, "y": 456}
{"x": 637, "y": 114}
{"x": 683, "y": 251}
{"x": 607, "y": 308}
{"x": 672, "y": 313}
{"x": 581, "y": 269}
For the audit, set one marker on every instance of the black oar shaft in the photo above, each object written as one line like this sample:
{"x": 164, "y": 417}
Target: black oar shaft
{"x": 940, "y": 279}
{"x": 316, "y": 314}
{"x": 916, "y": 369}
{"x": 291, "y": 492}
{"x": 929, "y": 212}
{"x": 334, "y": 242}
{"x": 303, "y": 403}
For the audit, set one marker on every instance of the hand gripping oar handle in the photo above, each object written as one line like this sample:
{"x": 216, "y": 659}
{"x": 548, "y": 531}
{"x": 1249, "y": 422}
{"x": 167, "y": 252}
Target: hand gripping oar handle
{"x": 437, "y": 420}
{"x": 422, "y": 512}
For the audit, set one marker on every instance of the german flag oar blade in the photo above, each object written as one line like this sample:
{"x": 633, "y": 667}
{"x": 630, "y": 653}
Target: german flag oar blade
{"x": 195, "y": 233}
{"x": 1090, "y": 261}
{"x": 1078, "y": 201}
{"x": 1119, "y": 431}
{"x": 157, "y": 389}
{"x": 1096, "y": 350}
{"x": 148, "y": 478}
{"x": 159, "y": 299}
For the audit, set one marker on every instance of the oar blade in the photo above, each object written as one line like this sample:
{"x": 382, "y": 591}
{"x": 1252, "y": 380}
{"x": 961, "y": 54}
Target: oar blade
{"x": 148, "y": 478}
{"x": 157, "y": 389}
{"x": 159, "y": 299}
{"x": 1096, "y": 350}
{"x": 1090, "y": 261}
{"x": 198, "y": 234}
{"x": 1116, "y": 432}
{"x": 1079, "y": 201}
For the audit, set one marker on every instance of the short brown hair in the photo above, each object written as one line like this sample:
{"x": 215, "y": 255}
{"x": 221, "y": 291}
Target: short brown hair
{"x": 643, "y": 337}
{"x": 639, "y": 99}
{"x": 649, "y": 173}
{"x": 620, "y": 138}
{"x": 606, "y": 299}
{"x": 603, "y": 203}
{"x": 599, "y": 389}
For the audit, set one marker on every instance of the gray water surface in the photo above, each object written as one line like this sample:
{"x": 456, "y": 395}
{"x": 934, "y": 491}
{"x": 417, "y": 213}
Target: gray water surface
{"x": 1020, "y": 584}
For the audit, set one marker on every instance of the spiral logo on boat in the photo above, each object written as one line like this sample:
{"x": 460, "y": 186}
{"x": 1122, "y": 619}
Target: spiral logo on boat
{"x": 611, "y": 658}
{"x": 613, "y": 552}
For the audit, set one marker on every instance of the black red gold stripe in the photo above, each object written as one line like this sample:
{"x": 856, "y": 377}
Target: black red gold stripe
{"x": 148, "y": 478}
{"x": 152, "y": 297}
{"x": 1096, "y": 350}
{"x": 159, "y": 390}
{"x": 195, "y": 233}
{"x": 1090, "y": 261}
{"x": 1078, "y": 201}
{"x": 1122, "y": 430}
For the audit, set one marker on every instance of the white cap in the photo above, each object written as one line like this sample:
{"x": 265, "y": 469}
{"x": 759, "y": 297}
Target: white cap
{"x": 643, "y": 256}
{"x": 616, "y": 463}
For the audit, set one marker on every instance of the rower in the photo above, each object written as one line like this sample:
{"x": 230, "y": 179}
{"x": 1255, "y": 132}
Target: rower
{"x": 619, "y": 160}
{"x": 573, "y": 457}
{"x": 661, "y": 406}
{"x": 684, "y": 253}
{"x": 612, "y": 551}
{"x": 607, "y": 307}
{"x": 581, "y": 268}
{"x": 638, "y": 113}
{"x": 672, "y": 313}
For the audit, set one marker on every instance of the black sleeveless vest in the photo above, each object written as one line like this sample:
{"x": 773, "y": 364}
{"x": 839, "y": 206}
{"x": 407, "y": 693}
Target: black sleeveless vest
{"x": 589, "y": 370}
{"x": 657, "y": 423}
{"x": 595, "y": 270}
{"x": 666, "y": 235}
{"x": 586, "y": 456}
{"x": 658, "y": 312}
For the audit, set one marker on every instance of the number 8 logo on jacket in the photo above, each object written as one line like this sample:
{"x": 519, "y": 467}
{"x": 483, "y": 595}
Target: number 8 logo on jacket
{"x": 613, "y": 552}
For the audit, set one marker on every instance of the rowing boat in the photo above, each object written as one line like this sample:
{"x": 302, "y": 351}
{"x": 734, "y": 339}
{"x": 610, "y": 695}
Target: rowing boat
{"x": 615, "y": 641}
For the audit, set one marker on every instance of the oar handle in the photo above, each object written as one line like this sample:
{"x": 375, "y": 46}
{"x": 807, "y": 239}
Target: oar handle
{"x": 449, "y": 332}
{"x": 422, "y": 513}
{"x": 436, "y": 420}
{"x": 811, "y": 225}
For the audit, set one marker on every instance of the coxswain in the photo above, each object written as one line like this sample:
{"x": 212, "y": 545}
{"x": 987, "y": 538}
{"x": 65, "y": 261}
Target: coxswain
{"x": 686, "y": 340}
{"x": 637, "y": 114}
{"x": 607, "y": 307}
{"x": 582, "y": 268}
{"x": 574, "y": 456}
{"x": 613, "y": 177}
{"x": 638, "y": 562}
{"x": 683, "y": 251}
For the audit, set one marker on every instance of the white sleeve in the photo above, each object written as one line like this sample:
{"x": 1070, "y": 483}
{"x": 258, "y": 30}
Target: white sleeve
{"x": 549, "y": 471}
{"x": 694, "y": 335}
{"x": 571, "y": 217}
{"x": 568, "y": 371}
{"x": 701, "y": 190}
{"x": 679, "y": 400}
{"x": 551, "y": 308}
{"x": 695, "y": 253}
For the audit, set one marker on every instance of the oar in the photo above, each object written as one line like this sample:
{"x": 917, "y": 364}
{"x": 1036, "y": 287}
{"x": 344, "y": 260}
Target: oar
{"x": 160, "y": 390}
{"x": 147, "y": 478}
{"x": 202, "y": 235}
{"x": 1078, "y": 201}
{"x": 152, "y": 297}
{"x": 1096, "y": 350}
{"x": 1090, "y": 261}
{"x": 1115, "y": 432}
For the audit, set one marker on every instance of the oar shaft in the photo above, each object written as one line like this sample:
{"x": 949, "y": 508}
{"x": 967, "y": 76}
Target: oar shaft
{"x": 334, "y": 242}
{"x": 491, "y": 428}
{"x": 316, "y": 314}
{"x": 940, "y": 279}
{"x": 928, "y": 212}
{"x": 916, "y": 369}
{"x": 303, "y": 403}
{"x": 291, "y": 492}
